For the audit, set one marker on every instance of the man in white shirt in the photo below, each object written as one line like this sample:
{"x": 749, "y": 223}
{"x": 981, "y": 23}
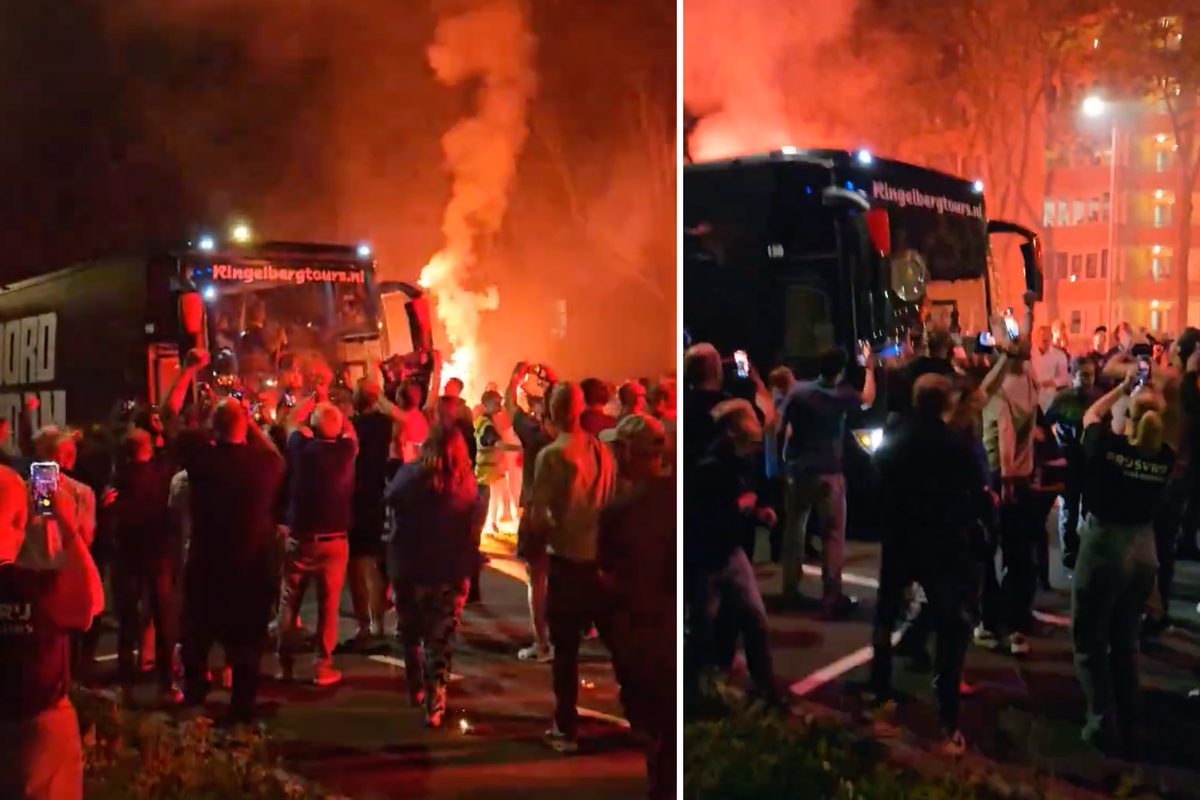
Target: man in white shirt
{"x": 1051, "y": 368}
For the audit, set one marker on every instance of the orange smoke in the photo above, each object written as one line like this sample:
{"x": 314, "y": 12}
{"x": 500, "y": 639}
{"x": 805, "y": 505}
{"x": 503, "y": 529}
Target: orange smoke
{"x": 491, "y": 42}
{"x": 764, "y": 74}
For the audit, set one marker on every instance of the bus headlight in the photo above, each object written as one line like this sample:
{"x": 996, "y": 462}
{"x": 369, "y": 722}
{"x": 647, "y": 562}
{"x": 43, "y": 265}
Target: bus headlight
{"x": 869, "y": 439}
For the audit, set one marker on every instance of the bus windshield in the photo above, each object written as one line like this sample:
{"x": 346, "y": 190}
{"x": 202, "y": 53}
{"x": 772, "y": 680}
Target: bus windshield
{"x": 268, "y": 320}
{"x": 938, "y": 231}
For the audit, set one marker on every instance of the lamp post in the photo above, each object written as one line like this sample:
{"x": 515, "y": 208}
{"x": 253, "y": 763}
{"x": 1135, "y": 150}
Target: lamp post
{"x": 1096, "y": 107}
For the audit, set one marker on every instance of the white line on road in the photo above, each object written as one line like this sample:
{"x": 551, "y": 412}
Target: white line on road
{"x": 392, "y": 661}
{"x": 859, "y": 657}
{"x": 838, "y": 668}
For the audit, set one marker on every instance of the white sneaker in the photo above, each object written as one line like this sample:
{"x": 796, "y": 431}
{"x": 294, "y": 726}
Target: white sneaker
{"x": 985, "y": 638}
{"x": 1017, "y": 645}
{"x": 559, "y": 741}
{"x": 542, "y": 655}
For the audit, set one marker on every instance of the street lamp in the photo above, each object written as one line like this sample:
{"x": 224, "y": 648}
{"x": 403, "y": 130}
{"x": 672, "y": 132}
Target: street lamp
{"x": 1095, "y": 107}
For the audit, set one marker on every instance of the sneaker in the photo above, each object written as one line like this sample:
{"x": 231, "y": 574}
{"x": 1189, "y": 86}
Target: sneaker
{"x": 327, "y": 676}
{"x": 434, "y": 719}
{"x": 560, "y": 742}
{"x": 287, "y": 673}
{"x": 542, "y": 655}
{"x": 1017, "y": 645}
{"x": 985, "y": 638}
{"x": 417, "y": 698}
{"x": 953, "y": 746}
{"x": 592, "y": 634}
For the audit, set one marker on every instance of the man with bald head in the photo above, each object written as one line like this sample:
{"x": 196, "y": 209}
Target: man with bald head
{"x": 574, "y": 478}
{"x": 231, "y": 573}
{"x": 321, "y": 450}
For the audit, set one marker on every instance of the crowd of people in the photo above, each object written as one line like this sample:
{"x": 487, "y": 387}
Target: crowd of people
{"x": 982, "y": 439}
{"x": 209, "y": 528}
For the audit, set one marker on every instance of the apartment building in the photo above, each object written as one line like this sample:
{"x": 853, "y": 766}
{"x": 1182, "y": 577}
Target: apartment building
{"x": 1110, "y": 229}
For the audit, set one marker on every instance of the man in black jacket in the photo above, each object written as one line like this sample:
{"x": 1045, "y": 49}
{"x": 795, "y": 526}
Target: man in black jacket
{"x": 934, "y": 491}
{"x": 718, "y": 502}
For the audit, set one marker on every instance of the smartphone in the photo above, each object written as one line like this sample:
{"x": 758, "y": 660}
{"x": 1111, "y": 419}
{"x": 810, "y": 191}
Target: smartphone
{"x": 742, "y": 362}
{"x": 1013, "y": 327}
{"x": 43, "y": 480}
{"x": 985, "y": 342}
{"x": 1143, "y": 371}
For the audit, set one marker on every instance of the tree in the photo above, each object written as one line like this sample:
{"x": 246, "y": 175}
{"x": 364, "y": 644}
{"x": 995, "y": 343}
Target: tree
{"x": 983, "y": 75}
{"x": 1145, "y": 55}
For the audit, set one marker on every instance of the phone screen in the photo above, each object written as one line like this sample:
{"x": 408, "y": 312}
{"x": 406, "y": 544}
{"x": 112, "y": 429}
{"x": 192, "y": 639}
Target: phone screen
{"x": 1013, "y": 327}
{"x": 43, "y": 481}
{"x": 1143, "y": 371}
{"x": 742, "y": 362}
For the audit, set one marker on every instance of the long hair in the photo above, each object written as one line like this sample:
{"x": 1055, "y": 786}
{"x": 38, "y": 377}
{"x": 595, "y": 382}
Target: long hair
{"x": 1145, "y": 418}
{"x": 445, "y": 459}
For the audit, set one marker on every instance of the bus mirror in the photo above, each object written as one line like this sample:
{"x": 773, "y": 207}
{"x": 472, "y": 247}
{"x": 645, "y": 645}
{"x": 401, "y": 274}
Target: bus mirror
{"x": 418, "y": 324}
{"x": 1031, "y": 254}
{"x": 879, "y": 230}
{"x": 191, "y": 313}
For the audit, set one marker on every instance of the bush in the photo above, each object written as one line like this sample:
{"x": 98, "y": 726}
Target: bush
{"x": 152, "y": 756}
{"x": 749, "y": 755}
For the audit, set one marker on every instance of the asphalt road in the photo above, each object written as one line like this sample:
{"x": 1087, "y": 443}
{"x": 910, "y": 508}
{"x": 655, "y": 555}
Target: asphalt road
{"x": 1023, "y": 711}
{"x": 362, "y": 738}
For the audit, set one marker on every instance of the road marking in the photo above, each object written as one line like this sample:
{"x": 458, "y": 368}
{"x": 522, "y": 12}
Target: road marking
{"x": 600, "y": 715}
{"x": 107, "y": 657}
{"x": 861, "y": 656}
{"x": 392, "y": 661}
{"x": 839, "y": 668}
{"x": 871, "y": 583}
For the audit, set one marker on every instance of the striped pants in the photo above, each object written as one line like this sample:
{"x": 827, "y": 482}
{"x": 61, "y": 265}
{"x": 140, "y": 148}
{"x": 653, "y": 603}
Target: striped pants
{"x": 429, "y": 615}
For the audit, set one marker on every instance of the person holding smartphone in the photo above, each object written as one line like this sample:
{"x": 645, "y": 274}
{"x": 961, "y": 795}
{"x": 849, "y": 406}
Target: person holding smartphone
{"x": 41, "y": 754}
{"x": 1126, "y": 474}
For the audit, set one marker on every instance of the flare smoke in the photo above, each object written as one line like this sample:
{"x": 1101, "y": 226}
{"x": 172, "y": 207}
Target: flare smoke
{"x": 488, "y": 41}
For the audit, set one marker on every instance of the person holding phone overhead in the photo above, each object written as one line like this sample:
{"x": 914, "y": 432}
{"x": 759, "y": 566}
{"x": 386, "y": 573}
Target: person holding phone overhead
{"x": 1126, "y": 475}
{"x": 41, "y": 755}
{"x": 813, "y": 417}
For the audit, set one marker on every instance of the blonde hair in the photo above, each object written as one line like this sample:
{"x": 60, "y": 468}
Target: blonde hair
{"x": 1145, "y": 420}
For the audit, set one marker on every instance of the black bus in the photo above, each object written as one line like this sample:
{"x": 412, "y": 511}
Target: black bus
{"x": 791, "y": 253}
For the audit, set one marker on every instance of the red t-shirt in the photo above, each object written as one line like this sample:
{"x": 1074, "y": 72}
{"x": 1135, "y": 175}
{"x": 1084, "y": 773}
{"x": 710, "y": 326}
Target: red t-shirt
{"x": 34, "y": 651}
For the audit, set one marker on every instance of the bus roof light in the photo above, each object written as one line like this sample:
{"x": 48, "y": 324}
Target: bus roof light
{"x": 364, "y": 251}
{"x": 207, "y": 243}
{"x": 865, "y": 157}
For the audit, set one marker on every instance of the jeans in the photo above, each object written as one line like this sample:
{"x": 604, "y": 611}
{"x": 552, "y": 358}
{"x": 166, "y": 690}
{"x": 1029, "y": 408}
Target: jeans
{"x": 1070, "y": 503}
{"x": 572, "y": 607}
{"x": 153, "y": 581}
{"x": 42, "y": 758}
{"x": 730, "y": 593}
{"x": 429, "y": 616}
{"x": 1169, "y": 520}
{"x": 827, "y": 495}
{"x": 1113, "y": 579}
{"x": 944, "y": 564}
{"x": 325, "y": 559}
{"x": 1008, "y": 600}
{"x": 368, "y": 593}
{"x": 640, "y": 629}
{"x": 473, "y": 595}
